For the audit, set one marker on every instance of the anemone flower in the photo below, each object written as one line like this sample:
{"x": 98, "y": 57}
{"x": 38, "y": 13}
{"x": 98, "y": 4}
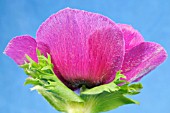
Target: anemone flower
{"x": 88, "y": 49}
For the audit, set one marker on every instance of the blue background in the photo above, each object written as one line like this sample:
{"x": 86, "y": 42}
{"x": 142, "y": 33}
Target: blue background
{"x": 18, "y": 17}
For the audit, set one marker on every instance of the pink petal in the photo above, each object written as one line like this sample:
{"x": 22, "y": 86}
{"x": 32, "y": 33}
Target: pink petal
{"x": 131, "y": 36}
{"x": 106, "y": 48}
{"x": 71, "y": 37}
{"x": 44, "y": 48}
{"x": 141, "y": 59}
{"x": 19, "y": 46}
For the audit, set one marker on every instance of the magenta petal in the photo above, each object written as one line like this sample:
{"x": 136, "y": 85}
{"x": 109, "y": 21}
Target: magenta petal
{"x": 131, "y": 36}
{"x": 106, "y": 48}
{"x": 69, "y": 35}
{"x": 19, "y": 46}
{"x": 142, "y": 59}
{"x": 43, "y": 48}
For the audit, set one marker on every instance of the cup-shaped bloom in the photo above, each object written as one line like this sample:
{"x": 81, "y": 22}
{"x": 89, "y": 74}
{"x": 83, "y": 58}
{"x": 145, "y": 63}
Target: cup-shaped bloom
{"x": 88, "y": 48}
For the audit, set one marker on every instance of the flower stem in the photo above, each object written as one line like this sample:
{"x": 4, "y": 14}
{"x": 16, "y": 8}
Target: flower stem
{"x": 79, "y": 108}
{"x": 86, "y": 107}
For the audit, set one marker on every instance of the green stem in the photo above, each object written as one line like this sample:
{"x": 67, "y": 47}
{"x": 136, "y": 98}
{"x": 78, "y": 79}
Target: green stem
{"x": 78, "y": 108}
{"x": 86, "y": 107}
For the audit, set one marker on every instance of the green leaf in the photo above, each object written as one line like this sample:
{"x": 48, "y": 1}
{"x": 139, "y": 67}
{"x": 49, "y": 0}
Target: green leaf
{"x": 105, "y": 101}
{"x": 29, "y": 59}
{"x": 58, "y": 103}
{"x": 46, "y": 68}
{"x": 135, "y": 88}
{"x": 100, "y": 89}
{"x": 108, "y": 101}
{"x": 119, "y": 76}
{"x": 44, "y": 80}
{"x": 32, "y": 81}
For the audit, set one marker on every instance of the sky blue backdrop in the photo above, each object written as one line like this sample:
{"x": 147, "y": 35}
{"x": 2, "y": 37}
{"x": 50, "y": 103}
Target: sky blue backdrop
{"x": 18, "y": 17}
